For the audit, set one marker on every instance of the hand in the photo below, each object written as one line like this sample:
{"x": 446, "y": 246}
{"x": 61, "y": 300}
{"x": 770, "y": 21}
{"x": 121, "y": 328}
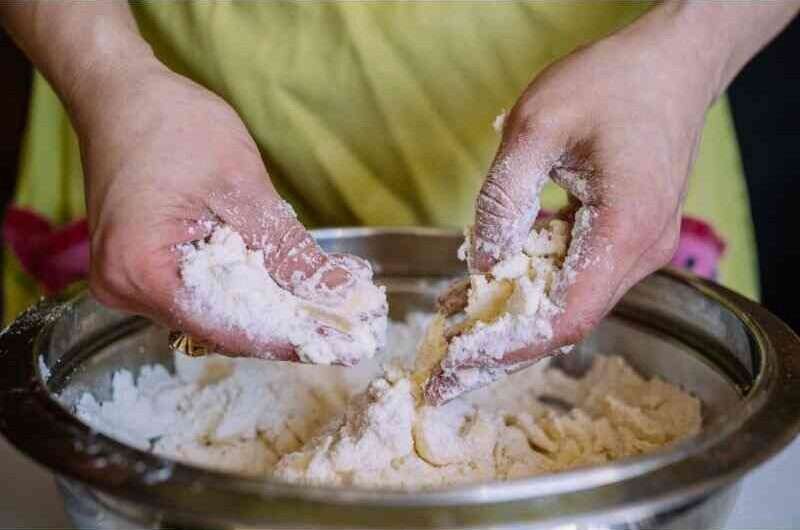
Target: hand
{"x": 161, "y": 154}
{"x": 617, "y": 125}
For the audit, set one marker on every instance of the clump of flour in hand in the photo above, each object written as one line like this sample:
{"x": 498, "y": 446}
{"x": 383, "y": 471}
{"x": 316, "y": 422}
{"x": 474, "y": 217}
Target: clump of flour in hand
{"x": 364, "y": 426}
{"x": 227, "y": 284}
{"x": 505, "y": 310}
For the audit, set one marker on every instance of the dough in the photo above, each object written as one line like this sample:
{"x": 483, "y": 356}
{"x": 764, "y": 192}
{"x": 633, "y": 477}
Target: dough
{"x": 227, "y": 285}
{"x": 365, "y": 426}
{"x": 505, "y": 310}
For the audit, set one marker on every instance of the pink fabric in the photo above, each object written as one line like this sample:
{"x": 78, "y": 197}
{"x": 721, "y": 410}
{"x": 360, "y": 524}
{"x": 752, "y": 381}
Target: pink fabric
{"x": 700, "y": 248}
{"x": 53, "y": 256}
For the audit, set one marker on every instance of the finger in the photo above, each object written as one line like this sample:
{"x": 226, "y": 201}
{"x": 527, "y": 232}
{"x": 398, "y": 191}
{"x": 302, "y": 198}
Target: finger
{"x": 508, "y": 201}
{"x": 132, "y": 271}
{"x": 234, "y": 343}
{"x": 210, "y": 314}
{"x": 268, "y": 223}
{"x": 448, "y": 383}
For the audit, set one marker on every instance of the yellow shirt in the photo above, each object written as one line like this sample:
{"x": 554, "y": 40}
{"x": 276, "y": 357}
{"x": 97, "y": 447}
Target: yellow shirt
{"x": 375, "y": 113}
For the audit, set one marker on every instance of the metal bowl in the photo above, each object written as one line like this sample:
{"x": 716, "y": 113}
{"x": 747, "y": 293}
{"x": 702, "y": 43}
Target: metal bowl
{"x": 741, "y": 361}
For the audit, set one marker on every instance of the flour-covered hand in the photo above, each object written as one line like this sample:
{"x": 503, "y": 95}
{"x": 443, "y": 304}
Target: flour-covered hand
{"x": 167, "y": 162}
{"x": 617, "y": 125}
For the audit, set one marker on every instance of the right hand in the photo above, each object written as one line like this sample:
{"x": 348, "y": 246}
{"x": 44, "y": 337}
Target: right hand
{"x": 616, "y": 124}
{"x": 161, "y": 154}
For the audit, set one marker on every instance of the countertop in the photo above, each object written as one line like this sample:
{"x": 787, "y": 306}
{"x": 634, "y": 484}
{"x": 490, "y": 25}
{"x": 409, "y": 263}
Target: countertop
{"x": 770, "y": 497}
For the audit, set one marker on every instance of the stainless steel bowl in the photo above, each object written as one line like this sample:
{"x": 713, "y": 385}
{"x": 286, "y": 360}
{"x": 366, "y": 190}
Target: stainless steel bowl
{"x": 734, "y": 355}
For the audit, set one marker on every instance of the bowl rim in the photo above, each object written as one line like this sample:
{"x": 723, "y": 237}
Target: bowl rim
{"x": 42, "y": 427}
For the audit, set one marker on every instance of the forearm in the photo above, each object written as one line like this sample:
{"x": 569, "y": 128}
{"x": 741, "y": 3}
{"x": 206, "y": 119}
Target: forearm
{"x": 78, "y": 46}
{"x": 713, "y": 41}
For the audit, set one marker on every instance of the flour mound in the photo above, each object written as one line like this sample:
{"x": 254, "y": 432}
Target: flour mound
{"x": 227, "y": 285}
{"x": 365, "y": 426}
{"x": 383, "y": 440}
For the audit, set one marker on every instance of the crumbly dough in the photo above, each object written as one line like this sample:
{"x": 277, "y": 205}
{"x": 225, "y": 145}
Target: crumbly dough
{"x": 509, "y": 308}
{"x": 365, "y": 425}
{"x": 227, "y": 284}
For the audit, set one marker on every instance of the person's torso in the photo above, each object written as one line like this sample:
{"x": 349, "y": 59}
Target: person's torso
{"x": 374, "y": 112}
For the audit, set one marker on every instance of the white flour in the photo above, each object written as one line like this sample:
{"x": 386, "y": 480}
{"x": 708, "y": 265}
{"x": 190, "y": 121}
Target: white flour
{"x": 369, "y": 425}
{"x": 227, "y": 285}
{"x": 293, "y": 421}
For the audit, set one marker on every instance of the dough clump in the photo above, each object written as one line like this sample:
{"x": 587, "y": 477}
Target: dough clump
{"x": 490, "y": 315}
{"x": 365, "y": 426}
{"x": 227, "y": 285}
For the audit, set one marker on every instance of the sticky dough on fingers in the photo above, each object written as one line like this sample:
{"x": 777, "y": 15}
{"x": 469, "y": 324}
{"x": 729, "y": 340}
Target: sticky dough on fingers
{"x": 493, "y": 314}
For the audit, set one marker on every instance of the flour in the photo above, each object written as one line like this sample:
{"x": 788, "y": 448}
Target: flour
{"x": 365, "y": 425}
{"x": 371, "y": 425}
{"x": 577, "y": 258}
{"x": 508, "y": 309}
{"x": 227, "y": 285}
{"x": 500, "y": 121}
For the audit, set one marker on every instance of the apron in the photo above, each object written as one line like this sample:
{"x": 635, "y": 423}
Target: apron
{"x": 379, "y": 113}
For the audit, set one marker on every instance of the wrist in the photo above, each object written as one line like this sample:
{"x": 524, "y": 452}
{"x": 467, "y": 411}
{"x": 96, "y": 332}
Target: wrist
{"x": 691, "y": 70}
{"x": 78, "y": 46}
{"x": 113, "y": 63}
{"x": 691, "y": 41}
{"x": 710, "y": 42}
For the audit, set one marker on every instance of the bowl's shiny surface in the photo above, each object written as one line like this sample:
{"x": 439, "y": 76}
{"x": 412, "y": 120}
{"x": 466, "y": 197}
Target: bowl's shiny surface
{"x": 738, "y": 359}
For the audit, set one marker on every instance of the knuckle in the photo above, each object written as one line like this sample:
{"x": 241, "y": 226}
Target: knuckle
{"x": 538, "y": 118}
{"x": 530, "y": 118}
{"x": 239, "y": 162}
{"x": 494, "y": 202}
